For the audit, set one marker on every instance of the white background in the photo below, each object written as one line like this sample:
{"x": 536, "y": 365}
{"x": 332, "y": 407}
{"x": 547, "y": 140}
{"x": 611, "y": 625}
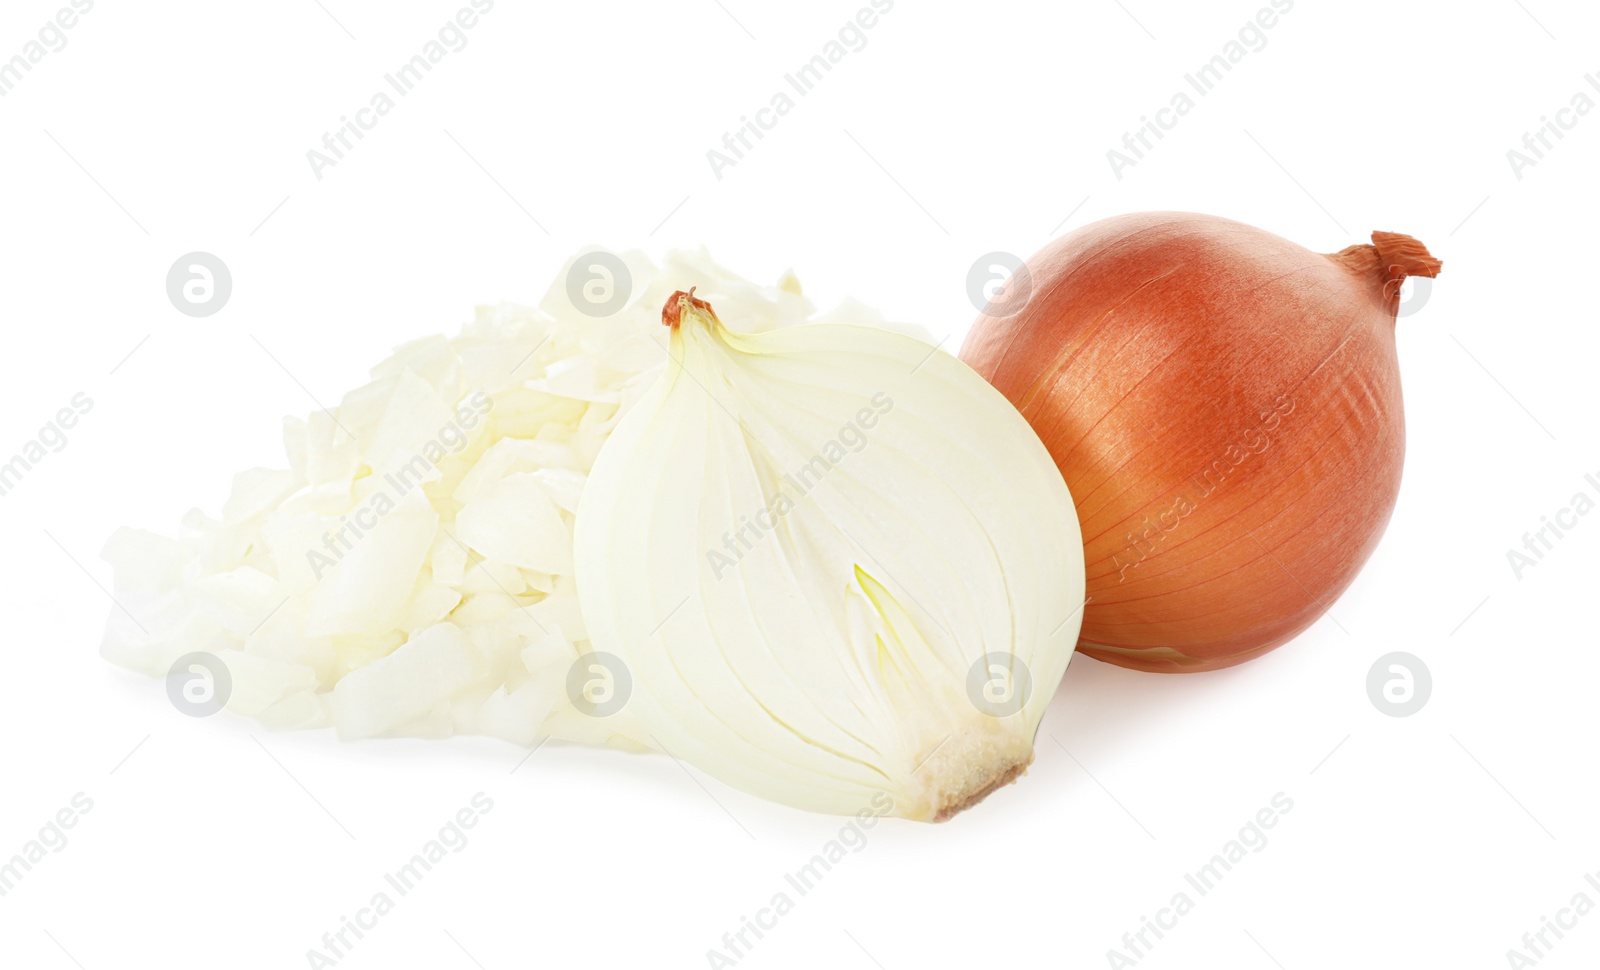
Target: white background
{"x": 1434, "y": 840}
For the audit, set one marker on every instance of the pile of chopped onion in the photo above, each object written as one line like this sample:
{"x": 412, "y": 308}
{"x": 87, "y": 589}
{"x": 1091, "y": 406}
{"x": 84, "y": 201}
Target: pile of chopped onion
{"x": 411, "y": 572}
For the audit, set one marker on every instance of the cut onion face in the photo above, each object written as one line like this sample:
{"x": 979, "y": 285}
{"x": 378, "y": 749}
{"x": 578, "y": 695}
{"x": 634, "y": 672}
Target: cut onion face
{"x": 835, "y": 563}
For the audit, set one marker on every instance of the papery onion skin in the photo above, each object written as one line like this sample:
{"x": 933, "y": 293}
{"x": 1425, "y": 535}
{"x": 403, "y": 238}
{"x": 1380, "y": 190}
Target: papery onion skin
{"x": 1225, "y": 407}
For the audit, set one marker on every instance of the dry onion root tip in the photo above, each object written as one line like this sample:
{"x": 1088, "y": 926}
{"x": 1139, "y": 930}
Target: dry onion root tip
{"x": 955, "y": 805}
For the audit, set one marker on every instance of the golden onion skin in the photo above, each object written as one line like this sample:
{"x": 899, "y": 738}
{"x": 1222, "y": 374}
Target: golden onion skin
{"x": 1225, "y": 407}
